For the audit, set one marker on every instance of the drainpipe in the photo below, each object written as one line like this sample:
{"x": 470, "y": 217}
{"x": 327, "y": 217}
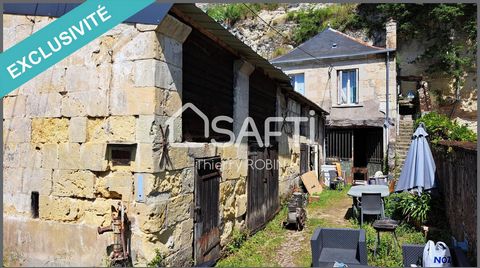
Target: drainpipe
{"x": 387, "y": 106}
{"x": 388, "y": 93}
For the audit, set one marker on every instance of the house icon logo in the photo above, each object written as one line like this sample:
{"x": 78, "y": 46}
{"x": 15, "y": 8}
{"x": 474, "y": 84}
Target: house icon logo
{"x": 171, "y": 125}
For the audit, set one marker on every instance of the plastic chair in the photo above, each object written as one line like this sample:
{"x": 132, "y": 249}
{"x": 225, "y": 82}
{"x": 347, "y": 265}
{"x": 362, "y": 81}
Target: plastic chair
{"x": 371, "y": 204}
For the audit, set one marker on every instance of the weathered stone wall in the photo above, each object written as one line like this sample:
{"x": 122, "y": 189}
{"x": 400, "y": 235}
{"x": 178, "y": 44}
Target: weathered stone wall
{"x": 439, "y": 84}
{"x": 115, "y": 90}
{"x": 120, "y": 90}
{"x": 322, "y": 88}
{"x": 289, "y": 146}
{"x": 457, "y": 181}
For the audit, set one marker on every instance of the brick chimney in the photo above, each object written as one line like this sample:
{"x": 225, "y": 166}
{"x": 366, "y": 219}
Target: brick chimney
{"x": 391, "y": 36}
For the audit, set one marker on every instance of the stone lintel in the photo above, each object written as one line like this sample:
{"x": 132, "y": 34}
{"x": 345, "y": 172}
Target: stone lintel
{"x": 174, "y": 28}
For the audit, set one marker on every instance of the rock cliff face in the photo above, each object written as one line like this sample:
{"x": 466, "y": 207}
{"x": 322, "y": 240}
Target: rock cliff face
{"x": 255, "y": 32}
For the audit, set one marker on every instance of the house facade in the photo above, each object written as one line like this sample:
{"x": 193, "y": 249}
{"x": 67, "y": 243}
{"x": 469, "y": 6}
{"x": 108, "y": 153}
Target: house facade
{"x": 356, "y": 83}
{"x": 129, "y": 119}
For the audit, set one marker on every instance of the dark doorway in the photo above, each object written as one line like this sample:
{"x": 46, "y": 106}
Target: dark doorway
{"x": 206, "y": 212}
{"x": 368, "y": 149}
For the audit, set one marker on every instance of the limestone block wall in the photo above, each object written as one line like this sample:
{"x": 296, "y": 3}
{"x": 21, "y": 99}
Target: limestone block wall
{"x": 61, "y": 133}
{"x": 58, "y": 129}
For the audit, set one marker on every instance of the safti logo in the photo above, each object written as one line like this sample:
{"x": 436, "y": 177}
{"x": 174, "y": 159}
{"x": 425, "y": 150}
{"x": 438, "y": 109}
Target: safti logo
{"x": 244, "y": 132}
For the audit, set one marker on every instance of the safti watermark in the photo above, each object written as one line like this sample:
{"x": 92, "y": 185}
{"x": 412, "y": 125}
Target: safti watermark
{"x": 244, "y": 132}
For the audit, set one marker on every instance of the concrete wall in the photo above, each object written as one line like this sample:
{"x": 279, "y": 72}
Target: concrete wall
{"x": 457, "y": 181}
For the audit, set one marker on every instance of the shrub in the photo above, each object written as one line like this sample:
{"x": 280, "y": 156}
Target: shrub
{"x": 440, "y": 127}
{"x": 312, "y": 21}
{"x": 228, "y": 13}
{"x": 416, "y": 207}
{"x": 411, "y": 207}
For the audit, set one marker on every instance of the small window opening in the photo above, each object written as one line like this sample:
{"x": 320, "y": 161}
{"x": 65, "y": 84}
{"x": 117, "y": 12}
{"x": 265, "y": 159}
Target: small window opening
{"x": 121, "y": 155}
{"x": 334, "y": 45}
{"x": 35, "y": 205}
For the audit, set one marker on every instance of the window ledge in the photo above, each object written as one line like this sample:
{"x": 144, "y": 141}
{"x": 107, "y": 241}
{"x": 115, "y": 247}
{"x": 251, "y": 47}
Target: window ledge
{"x": 347, "y": 106}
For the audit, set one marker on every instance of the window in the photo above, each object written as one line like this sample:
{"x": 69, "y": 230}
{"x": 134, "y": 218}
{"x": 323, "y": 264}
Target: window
{"x": 121, "y": 154}
{"x": 298, "y": 82}
{"x": 347, "y": 87}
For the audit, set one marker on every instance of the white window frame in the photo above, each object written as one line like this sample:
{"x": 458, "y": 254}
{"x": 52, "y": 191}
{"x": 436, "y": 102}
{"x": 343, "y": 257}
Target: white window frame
{"x": 339, "y": 87}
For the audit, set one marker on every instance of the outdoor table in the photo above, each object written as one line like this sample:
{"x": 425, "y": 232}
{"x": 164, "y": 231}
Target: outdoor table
{"x": 356, "y": 191}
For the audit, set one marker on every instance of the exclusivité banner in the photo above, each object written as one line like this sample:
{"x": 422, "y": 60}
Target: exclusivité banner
{"x": 61, "y": 38}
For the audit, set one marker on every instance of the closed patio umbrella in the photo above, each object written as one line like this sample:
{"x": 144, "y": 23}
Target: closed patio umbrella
{"x": 418, "y": 171}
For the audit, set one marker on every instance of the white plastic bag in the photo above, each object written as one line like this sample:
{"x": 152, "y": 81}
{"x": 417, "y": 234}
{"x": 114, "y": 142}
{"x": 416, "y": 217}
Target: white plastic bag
{"x": 436, "y": 255}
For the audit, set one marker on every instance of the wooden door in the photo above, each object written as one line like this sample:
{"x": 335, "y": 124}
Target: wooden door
{"x": 304, "y": 160}
{"x": 206, "y": 212}
{"x": 262, "y": 186}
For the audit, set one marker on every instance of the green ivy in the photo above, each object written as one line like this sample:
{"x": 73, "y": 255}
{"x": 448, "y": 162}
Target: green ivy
{"x": 449, "y": 28}
{"x": 312, "y": 21}
{"x": 440, "y": 127}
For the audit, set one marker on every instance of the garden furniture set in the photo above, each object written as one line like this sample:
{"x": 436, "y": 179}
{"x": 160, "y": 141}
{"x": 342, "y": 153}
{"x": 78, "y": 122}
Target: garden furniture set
{"x": 348, "y": 247}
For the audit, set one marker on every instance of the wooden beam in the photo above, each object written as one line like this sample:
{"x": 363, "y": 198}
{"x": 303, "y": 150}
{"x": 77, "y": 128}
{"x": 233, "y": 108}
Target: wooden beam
{"x": 204, "y": 31}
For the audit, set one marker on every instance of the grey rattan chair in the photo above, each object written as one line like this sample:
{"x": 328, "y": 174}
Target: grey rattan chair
{"x": 342, "y": 245}
{"x": 371, "y": 204}
{"x": 413, "y": 254}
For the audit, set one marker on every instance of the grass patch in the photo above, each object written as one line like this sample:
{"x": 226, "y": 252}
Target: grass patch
{"x": 328, "y": 197}
{"x": 259, "y": 249}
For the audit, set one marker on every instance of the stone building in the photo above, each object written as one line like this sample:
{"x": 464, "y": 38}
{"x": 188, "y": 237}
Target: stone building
{"x": 119, "y": 121}
{"x": 356, "y": 83}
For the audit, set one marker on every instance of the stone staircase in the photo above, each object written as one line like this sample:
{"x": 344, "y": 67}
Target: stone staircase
{"x": 403, "y": 143}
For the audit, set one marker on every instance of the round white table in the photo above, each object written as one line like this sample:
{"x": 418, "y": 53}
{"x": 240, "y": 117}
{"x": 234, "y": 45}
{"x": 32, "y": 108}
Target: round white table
{"x": 356, "y": 191}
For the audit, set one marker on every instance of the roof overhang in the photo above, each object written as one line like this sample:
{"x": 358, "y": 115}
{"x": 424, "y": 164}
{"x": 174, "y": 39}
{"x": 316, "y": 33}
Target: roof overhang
{"x": 192, "y": 15}
{"x": 201, "y": 21}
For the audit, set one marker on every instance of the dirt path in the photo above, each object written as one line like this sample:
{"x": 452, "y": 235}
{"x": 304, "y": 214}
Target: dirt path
{"x": 290, "y": 248}
{"x": 333, "y": 214}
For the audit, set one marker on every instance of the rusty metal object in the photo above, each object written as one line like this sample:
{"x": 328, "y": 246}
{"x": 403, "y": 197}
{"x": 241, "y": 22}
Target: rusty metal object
{"x": 120, "y": 255}
{"x": 297, "y": 214}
